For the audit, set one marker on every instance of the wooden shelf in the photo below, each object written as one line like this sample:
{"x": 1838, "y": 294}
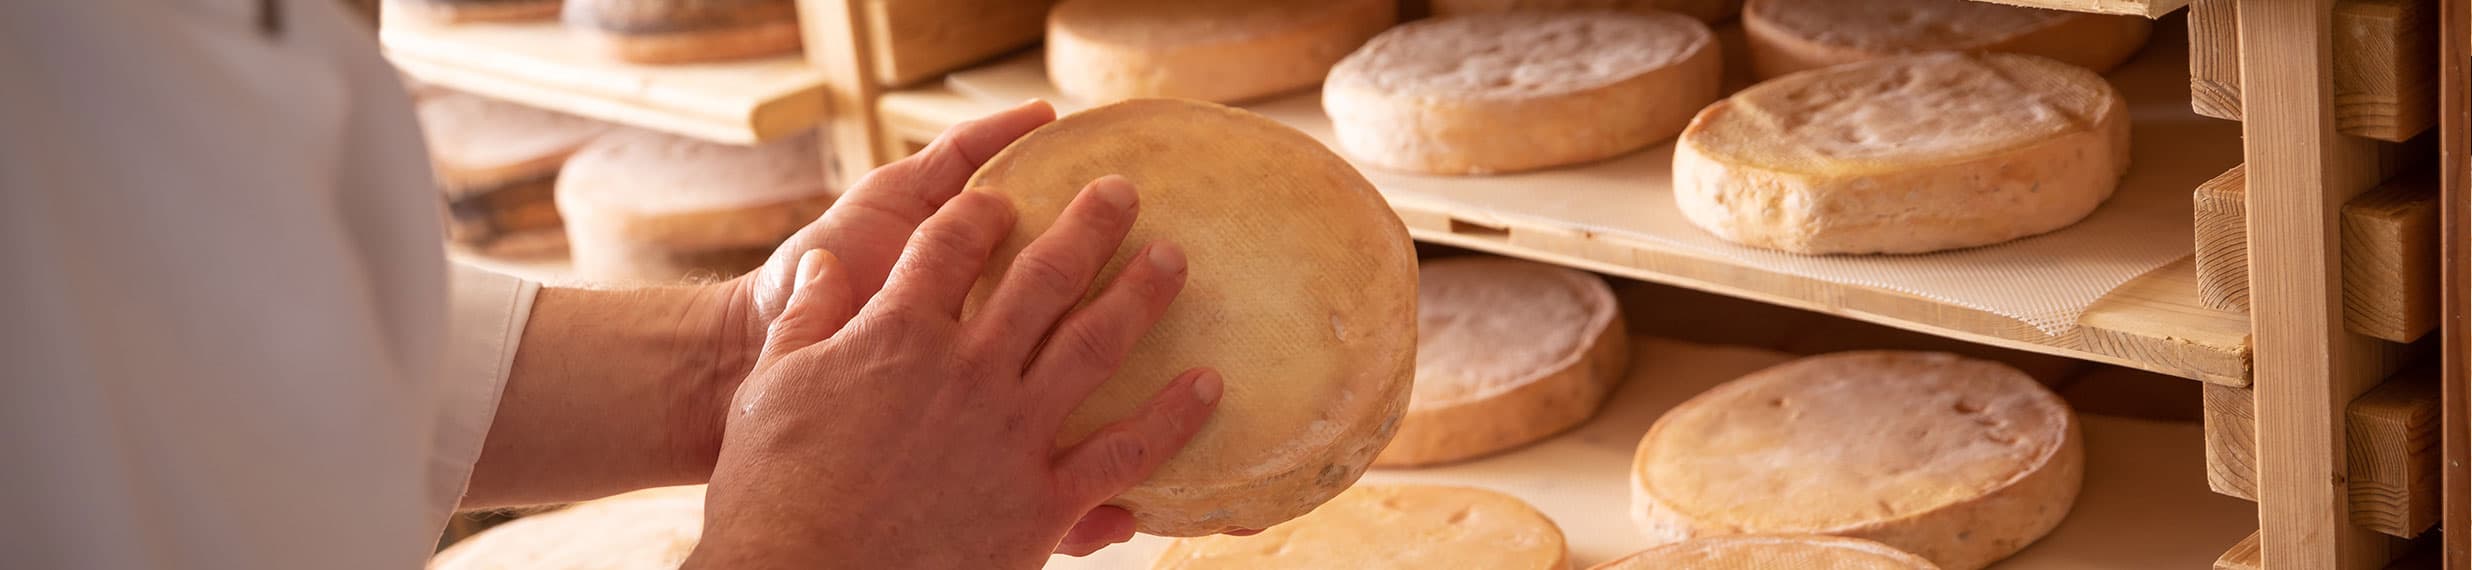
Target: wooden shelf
{"x": 2155, "y": 322}
{"x": 2391, "y": 436}
{"x": 2147, "y": 8}
{"x": 2386, "y": 74}
{"x": 2390, "y": 253}
{"x": 2144, "y": 503}
{"x": 536, "y": 64}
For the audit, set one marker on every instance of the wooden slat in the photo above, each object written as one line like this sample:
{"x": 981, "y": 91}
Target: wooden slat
{"x": 2455, "y": 104}
{"x": 2392, "y": 453}
{"x": 2246, "y": 555}
{"x": 534, "y": 63}
{"x": 857, "y": 142}
{"x": 2231, "y": 441}
{"x": 2390, "y": 253}
{"x": 2385, "y": 73}
{"x": 2147, "y": 8}
{"x": 915, "y": 40}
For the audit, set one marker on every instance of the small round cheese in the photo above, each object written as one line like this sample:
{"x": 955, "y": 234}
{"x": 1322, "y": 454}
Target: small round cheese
{"x": 671, "y": 31}
{"x": 1909, "y": 154}
{"x": 647, "y": 207}
{"x": 1960, "y": 461}
{"x": 1101, "y": 51}
{"x": 1710, "y": 11}
{"x": 1795, "y": 35}
{"x": 1391, "y": 526}
{"x": 1508, "y": 352}
{"x": 654, "y": 529}
{"x": 1771, "y": 552}
{"x": 1521, "y": 90}
{"x": 1301, "y": 292}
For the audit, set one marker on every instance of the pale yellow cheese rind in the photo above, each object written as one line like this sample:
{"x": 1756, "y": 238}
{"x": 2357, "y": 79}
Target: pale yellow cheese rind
{"x": 1516, "y": 91}
{"x": 1391, "y": 526}
{"x": 645, "y": 207}
{"x": 1509, "y": 352}
{"x": 1770, "y": 552}
{"x": 1102, "y": 51}
{"x": 1960, "y": 461}
{"x": 1787, "y": 36}
{"x": 1909, "y": 154}
{"x": 1301, "y": 292}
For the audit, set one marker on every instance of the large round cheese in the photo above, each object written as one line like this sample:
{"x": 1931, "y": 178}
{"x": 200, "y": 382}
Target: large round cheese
{"x": 1957, "y": 460}
{"x": 653, "y": 529}
{"x": 1795, "y": 35}
{"x": 1771, "y": 552}
{"x": 1101, "y": 51}
{"x": 646, "y": 207}
{"x": 1521, "y": 90}
{"x": 674, "y": 31}
{"x": 1711, "y": 11}
{"x": 1301, "y": 292}
{"x": 1391, "y": 526}
{"x": 1908, "y": 154}
{"x": 1508, "y": 352}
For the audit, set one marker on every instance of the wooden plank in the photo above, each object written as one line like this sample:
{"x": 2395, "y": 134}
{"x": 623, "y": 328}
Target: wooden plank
{"x": 2456, "y": 190}
{"x": 2385, "y": 68}
{"x": 2392, "y": 453}
{"x": 2147, "y": 8}
{"x": 856, "y": 141}
{"x": 2301, "y": 172}
{"x": 2389, "y": 245}
{"x": 913, "y": 40}
{"x": 2231, "y": 441}
{"x": 2246, "y": 555}
{"x": 533, "y": 63}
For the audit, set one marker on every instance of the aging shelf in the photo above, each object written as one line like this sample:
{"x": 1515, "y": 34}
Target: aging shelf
{"x": 1616, "y": 217}
{"x": 537, "y": 64}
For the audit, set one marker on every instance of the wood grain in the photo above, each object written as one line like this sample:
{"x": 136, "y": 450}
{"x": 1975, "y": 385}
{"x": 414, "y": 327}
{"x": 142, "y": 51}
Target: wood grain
{"x": 2222, "y": 230}
{"x": 2389, "y": 247}
{"x": 2231, "y": 441}
{"x": 2392, "y": 452}
{"x": 914, "y": 40}
{"x": 857, "y": 143}
{"x": 2385, "y": 68}
{"x": 2246, "y": 555}
{"x": 2456, "y": 377}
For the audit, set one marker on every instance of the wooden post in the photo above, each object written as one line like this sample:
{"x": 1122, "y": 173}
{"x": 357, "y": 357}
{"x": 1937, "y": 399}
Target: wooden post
{"x": 2308, "y": 367}
{"x": 837, "y": 41}
{"x": 2455, "y": 331}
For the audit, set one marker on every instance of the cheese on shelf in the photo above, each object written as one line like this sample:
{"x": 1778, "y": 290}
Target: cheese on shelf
{"x": 671, "y": 31}
{"x": 1796, "y": 35}
{"x": 645, "y": 207}
{"x": 1771, "y": 552}
{"x": 1391, "y": 526}
{"x": 1508, "y": 352}
{"x": 1101, "y": 51}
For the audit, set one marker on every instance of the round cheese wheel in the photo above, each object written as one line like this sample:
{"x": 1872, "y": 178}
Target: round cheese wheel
{"x": 459, "y": 11}
{"x": 1771, "y": 552}
{"x": 1391, "y": 526}
{"x": 1909, "y": 154}
{"x": 1101, "y": 51}
{"x": 478, "y": 143}
{"x": 1710, "y": 11}
{"x": 1301, "y": 292}
{"x": 649, "y": 207}
{"x": 1787, "y": 36}
{"x": 1521, "y": 90}
{"x": 1960, "y": 461}
{"x": 654, "y": 529}
{"x": 671, "y": 31}
{"x": 1508, "y": 352}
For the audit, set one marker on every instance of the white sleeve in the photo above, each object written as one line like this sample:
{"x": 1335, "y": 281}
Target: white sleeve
{"x": 485, "y": 324}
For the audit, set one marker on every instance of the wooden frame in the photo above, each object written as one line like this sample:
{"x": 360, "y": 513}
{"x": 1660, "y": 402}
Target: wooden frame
{"x": 2455, "y": 330}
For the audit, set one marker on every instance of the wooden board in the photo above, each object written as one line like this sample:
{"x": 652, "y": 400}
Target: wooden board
{"x": 2455, "y": 88}
{"x": 914, "y": 40}
{"x": 2389, "y": 245}
{"x": 2246, "y": 555}
{"x": 2385, "y": 70}
{"x": 2154, "y": 322}
{"x": 2147, "y": 8}
{"x": 2391, "y": 436}
{"x": 533, "y": 63}
{"x": 2143, "y": 504}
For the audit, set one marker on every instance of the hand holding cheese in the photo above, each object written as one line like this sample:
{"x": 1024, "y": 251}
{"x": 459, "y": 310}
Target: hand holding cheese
{"x": 940, "y": 454}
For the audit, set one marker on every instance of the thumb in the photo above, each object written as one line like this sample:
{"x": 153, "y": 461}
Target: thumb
{"x": 1124, "y": 453}
{"x": 820, "y": 303}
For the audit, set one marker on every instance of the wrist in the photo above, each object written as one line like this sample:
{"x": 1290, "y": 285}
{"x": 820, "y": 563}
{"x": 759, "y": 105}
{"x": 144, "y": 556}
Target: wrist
{"x": 719, "y": 328}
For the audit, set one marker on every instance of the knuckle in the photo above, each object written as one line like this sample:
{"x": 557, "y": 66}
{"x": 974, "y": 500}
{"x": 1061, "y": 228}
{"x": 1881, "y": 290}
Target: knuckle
{"x": 1040, "y": 271}
{"x": 1088, "y": 347}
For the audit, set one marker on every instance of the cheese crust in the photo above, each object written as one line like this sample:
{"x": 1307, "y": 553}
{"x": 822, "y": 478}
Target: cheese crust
{"x": 1391, "y": 526}
{"x": 1787, "y": 36}
{"x": 1226, "y": 51}
{"x": 650, "y": 207}
{"x": 1509, "y": 352}
{"x": 1771, "y": 552}
{"x": 669, "y": 31}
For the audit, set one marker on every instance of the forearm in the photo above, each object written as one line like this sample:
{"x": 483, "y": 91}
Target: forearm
{"x": 612, "y": 391}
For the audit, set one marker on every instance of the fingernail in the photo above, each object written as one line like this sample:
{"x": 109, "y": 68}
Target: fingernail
{"x": 1115, "y": 191}
{"x": 1207, "y": 387}
{"x": 1167, "y": 258}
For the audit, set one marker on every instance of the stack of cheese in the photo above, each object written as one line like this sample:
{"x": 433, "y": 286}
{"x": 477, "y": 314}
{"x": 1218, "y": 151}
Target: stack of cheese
{"x": 498, "y": 164}
{"x": 648, "y": 208}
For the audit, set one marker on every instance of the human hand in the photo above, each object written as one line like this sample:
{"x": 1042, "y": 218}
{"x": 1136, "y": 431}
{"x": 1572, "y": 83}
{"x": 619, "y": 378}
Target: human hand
{"x": 942, "y": 452}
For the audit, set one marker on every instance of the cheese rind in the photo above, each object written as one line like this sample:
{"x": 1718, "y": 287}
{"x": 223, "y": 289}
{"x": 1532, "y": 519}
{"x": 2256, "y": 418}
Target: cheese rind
{"x": 1710, "y": 11}
{"x": 653, "y": 529}
{"x": 1521, "y": 90}
{"x": 1102, "y": 51}
{"x": 1509, "y": 352}
{"x": 1960, "y": 461}
{"x": 649, "y": 207}
{"x": 1771, "y": 552}
{"x": 1391, "y": 526}
{"x": 664, "y": 31}
{"x": 462, "y": 11}
{"x": 498, "y": 164}
{"x": 1910, "y": 154}
{"x": 1301, "y": 292}
{"x": 1787, "y": 36}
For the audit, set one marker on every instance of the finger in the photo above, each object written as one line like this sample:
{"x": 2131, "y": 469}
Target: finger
{"x": 871, "y": 221}
{"x": 945, "y": 256}
{"x": 1055, "y": 271}
{"x": 1093, "y": 340}
{"x": 1098, "y": 528}
{"x": 820, "y": 303}
{"x": 1126, "y": 452}
{"x": 1245, "y": 532}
